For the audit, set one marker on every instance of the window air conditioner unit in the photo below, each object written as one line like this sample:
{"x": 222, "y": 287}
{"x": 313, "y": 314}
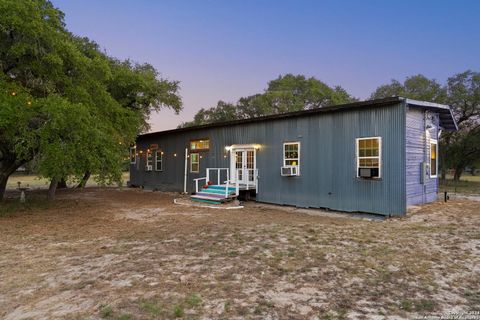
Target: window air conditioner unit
{"x": 290, "y": 171}
{"x": 149, "y": 168}
{"x": 368, "y": 172}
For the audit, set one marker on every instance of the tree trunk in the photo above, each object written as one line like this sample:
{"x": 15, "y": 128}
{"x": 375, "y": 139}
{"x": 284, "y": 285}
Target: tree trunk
{"x": 458, "y": 173}
{"x": 3, "y": 186}
{"x": 52, "y": 189}
{"x": 7, "y": 167}
{"x": 62, "y": 184}
{"x": 84, "y": 180}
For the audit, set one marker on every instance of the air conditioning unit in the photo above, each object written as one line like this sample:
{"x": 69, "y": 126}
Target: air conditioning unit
{"x": 290, "y": 171}
{"x": 149, "y": 168}
{"x": 368, "y": 173}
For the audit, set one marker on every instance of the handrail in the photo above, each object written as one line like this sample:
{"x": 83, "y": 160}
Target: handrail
{"x": 218, "y": 173}
{"x": 196, "y": 183}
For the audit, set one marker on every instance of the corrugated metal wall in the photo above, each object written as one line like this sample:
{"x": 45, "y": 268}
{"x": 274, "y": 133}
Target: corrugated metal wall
{"x": 328, "y": 163}
{"x": 417, "y": 150}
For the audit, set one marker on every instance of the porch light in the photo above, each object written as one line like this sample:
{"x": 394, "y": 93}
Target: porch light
{"x": 174, "y": 154}
{"x": 228, "y": 148}
{"x": 257, "y": 147}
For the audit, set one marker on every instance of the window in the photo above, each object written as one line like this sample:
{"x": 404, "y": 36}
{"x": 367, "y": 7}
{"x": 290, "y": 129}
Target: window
{"x": 200, "y": 145}
{"x": 158, "y": 160}
{"x": 369, "y": 156}
{"x": 433, "y": 158}
{"x": 291, "y": 154}
{"x": 133, "y": 155}
{"x": 148, "y": 166}
{"x": 194, "y": 162}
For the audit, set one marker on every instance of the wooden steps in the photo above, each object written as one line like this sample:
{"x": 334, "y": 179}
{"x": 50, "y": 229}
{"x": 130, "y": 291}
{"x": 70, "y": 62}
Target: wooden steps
{"x": 214, "y": 194}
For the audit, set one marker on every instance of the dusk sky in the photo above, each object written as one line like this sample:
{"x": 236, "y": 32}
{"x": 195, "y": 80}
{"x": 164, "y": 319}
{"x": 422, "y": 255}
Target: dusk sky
{"x": 223, "y": 50}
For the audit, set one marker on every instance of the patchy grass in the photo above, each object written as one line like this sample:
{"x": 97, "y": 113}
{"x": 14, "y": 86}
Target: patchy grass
{"x": 193, "y": 300}
{"x": 468, "y": 184}
{"x": 151, "y": 259}
{"x": 14, "y": 206}
{"x": 153, "y": 308}
{"x": 35, "y": 182}
{"x": 106, "y": 311}
{"x": 178, "y": 311}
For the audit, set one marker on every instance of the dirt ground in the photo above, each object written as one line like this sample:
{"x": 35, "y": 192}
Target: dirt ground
{"x": 131, "y": 254}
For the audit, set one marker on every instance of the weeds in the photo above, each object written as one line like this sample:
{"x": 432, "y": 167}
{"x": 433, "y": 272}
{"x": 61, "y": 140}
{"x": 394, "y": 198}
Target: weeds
{"x": 178, "y": 311}
{"x": 152, "y": 307}
{"x": 106, "y": 311}
{"x": 193, "y": 300}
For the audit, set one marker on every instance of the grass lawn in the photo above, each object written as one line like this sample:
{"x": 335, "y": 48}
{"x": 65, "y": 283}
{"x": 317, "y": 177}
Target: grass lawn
{"x": 130, "y": 254}
{"x": 468, "y": 184}
{"x": 35, "y": 182}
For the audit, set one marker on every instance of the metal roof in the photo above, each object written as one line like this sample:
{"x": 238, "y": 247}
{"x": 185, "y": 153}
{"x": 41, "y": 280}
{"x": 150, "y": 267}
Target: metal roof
{"x": 447, "y": 121}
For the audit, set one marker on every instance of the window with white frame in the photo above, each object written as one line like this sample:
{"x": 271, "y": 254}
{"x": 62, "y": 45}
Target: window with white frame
{"x": 291, "y": 154}
{"x": 149, "y": 162}
{"x": 194, "y": 162}
{"x": 158, "y": 160}
{"x": 369, "y": 157}
{"x": 133, "y": 155}
{"x": 433, "y": 158}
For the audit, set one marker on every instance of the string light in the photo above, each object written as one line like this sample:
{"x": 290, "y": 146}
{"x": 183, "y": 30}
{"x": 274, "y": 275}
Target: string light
{"x": 29, "y": 103}
{"x": 174, "y": 154}
{"x": 14, "y": 93}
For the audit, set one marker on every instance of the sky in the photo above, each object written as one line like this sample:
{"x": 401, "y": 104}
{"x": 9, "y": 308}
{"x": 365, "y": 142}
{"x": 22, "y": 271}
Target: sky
{"x": 227, "y": 49}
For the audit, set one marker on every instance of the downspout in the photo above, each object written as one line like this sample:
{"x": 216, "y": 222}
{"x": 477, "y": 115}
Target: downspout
{"x": 185, "y": 172}
{"x": 425, "y": 155}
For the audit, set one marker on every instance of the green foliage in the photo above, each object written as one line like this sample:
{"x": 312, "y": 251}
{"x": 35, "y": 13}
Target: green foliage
{"x": 462, "y": 92}
{"x": 106, "y": 311}
{"x": 193, "y": 300}
{"x": 152, "y": 307}
{"x": 285, "y": 94}
{"x": 74, "y": 109}
{"x": 178, "y": 311}
{"x": 416, "y": 87}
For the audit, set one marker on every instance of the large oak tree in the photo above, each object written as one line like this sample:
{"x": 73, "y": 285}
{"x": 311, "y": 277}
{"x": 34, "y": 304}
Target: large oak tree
{"x": 64, "y": 102}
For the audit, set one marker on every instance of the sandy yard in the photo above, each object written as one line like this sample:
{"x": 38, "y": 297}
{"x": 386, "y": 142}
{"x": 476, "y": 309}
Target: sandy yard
{"x": 128, "y": 254}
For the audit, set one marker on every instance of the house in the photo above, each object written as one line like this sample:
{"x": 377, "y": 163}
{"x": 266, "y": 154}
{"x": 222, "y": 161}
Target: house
{"x": 377, "y": 156}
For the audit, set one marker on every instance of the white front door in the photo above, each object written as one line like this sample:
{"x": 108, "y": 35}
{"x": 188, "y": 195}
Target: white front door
{"x": 243, "y": 165}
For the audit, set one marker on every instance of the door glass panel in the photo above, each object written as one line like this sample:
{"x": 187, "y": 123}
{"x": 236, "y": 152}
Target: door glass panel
{"x": 239, "y": 164}
{"x": 250, "y": 164}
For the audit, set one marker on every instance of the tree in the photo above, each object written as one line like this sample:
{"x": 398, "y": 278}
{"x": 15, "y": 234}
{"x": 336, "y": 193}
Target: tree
{"x": 287, "y": 93}
{"x": 64, "y": 102}
{"x": 462, "y": 93}
{"x": 463, "y": 146}
{"x": 222, "y": 112}
{"x": 416, "y": 87}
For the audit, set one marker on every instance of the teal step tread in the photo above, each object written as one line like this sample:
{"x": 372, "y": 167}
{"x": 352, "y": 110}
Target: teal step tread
{"x": 206, "y": 201}
{"x": 215, "y": 191}
{"x": 217, "y": 187}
